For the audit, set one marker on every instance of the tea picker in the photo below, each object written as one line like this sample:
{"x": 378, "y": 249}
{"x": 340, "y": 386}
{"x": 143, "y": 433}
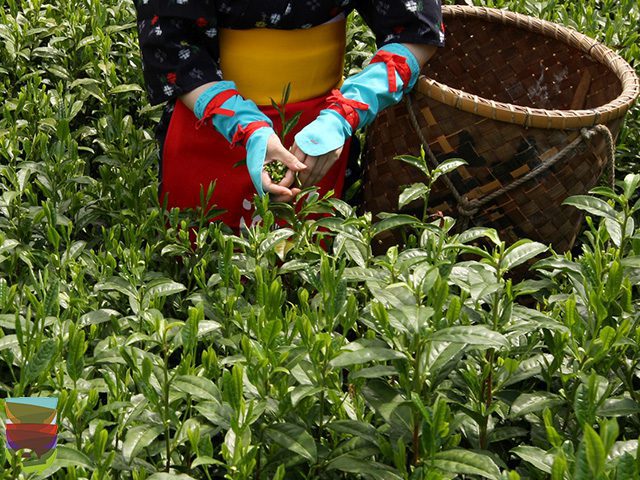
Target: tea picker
{"x": 219, "y": 65}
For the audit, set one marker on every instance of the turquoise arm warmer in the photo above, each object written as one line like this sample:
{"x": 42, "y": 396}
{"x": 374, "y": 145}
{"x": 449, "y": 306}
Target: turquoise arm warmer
{"x": 240, "y": 121}
{"x": 392, "y": 72}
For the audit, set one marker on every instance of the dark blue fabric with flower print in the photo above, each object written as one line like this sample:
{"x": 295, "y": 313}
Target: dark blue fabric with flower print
{"x": 179, "y": 45}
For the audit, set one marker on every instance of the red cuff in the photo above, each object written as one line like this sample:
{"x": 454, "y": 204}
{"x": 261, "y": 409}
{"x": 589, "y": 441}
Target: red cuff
{"x": 243, "y": 133}
{"x": 347, "y": 108}
{"x": 395, "y": 63}
{"x": 213, "y": 107}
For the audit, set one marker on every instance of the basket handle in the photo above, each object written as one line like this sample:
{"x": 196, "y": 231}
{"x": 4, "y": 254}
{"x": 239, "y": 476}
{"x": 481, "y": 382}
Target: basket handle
{"x": 468, "y": 208}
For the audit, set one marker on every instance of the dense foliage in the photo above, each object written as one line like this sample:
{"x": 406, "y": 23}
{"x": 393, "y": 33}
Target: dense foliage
{"x": 265, "y": 356}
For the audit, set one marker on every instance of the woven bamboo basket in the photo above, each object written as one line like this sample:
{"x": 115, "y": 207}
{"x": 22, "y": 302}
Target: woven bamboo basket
{"x": 533, "y": 107}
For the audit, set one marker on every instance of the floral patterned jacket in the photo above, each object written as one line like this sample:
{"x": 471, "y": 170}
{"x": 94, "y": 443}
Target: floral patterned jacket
{"x": 179, "y": 45}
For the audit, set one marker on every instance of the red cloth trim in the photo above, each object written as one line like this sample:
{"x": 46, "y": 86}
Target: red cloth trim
{"x": 243, "y": 133}
{"x": 346, "y": 107}
{"x": 192, "y": 159}
{"x": 213, "y": 107}
{"x": 395, "y": 63}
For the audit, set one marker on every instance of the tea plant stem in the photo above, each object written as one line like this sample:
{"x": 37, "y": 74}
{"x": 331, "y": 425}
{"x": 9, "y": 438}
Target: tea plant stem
{"x": 258, "y": 458}
{"x": 489, "y": 383}
{"x": 483, "y": 432}
{"x": 416, "y": 439}
{"x": 321, "y": 424}
{"x": 426, "y": 203}
{"x": 165, "y": 399}
{"x": 625, "y": 238}
{"x": 627, "y": 379}
{"x": 418, "y": 384}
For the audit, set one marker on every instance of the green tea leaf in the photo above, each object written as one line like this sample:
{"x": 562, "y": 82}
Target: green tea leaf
{"x": 448, "y": 166}
{"x": 233, "y": 387}
{"x": 459, "y": 461}
{"x": 198, "y": 387}
{"x": 519, "y": 253}
{"x": 411, "y": 193}
{"x": 205, "y": 460}
{"x": 126, "y": 88}
{"x": 478, "y": 232}
{"x": 416, "y": 162}
{"x": 371, "y": 469}
{"x": 51, "y": 300}
{"x": 8, "y": 341}
{"x": 630, "y": 183}
{"x": 534, "y": 402}
{"x": 535, "y": 456}
{"x": 377, "y": 371}
{"x": 559, "y": 468}
{"x": 38, "y": 363}
{"x": 618, "y": 407}
{"x": 75, "y": 356}
{"x": 364, "y": 355}
{"x": 294, "y": 438}
{"x": 393, "y": 221}
{"x": 626, "y": 467}
{"x": 621, "y": 448}
{"x": 592, "y": 205}
{"x": 475, "y": 335}
{"x": 170, "y": 476}
{"x": 595, "y": 451}
{"x": 68, "y": 456}
{"x": 274, "y": 238}
{"x": 354, "y": 427}
{"x": 138, "y": 438}
{"x": 98, "y": 316}
{"x": 162, "y": 288}
{"x": 301, "y": 392}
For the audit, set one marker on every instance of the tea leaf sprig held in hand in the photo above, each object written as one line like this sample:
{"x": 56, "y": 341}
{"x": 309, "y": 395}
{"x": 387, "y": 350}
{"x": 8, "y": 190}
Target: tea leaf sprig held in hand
{"x": 277, "y": 170}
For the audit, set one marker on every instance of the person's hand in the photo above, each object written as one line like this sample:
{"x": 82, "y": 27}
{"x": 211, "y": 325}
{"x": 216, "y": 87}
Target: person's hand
{"x": 276, "y": 152}
{"x": 317, "y": 166}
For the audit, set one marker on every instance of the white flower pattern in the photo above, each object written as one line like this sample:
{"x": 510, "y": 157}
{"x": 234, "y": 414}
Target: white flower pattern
{"x": 196, "y": 23}
{"x": 180, "y": 49}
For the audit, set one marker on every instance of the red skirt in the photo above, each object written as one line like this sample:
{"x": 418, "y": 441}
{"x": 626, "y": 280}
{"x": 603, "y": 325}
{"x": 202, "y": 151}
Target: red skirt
{"x": 193, "y": 158}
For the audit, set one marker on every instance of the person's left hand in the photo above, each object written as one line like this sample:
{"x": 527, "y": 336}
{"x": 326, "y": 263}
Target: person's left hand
{"x": 317, "y": 166}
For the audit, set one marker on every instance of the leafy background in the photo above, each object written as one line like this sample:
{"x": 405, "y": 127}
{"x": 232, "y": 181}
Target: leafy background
{"x": 266, "y": 357}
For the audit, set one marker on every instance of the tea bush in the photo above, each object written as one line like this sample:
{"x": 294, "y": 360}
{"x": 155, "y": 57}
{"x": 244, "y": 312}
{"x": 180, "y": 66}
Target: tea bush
{"x": 266, "y": 356}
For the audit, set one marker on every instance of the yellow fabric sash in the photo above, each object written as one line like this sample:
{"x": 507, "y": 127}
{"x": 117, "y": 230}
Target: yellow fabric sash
{"x": 261, "y": 61}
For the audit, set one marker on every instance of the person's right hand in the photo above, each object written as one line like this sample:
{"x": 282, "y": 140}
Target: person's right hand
{"x": 276, "y": 152}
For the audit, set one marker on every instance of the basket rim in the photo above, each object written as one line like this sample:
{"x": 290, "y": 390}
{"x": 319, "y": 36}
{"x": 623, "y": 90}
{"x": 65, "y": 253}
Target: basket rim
{"x": 538, "y": 117}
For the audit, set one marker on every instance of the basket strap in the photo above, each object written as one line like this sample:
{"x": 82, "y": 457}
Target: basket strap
{"x": 468, "y": 208}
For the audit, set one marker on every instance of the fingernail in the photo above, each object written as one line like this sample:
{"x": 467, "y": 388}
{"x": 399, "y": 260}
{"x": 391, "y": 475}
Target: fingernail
{"x": 301, "y": 165}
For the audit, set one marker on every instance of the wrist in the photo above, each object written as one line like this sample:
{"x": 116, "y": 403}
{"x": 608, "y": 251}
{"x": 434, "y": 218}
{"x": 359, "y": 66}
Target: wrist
{"x": 235, "y": 117}
{"x": 328, "y": 132}
{"x": 256, "y": 145}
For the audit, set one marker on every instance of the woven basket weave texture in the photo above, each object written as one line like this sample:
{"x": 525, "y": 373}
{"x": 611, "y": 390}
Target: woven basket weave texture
{"x": 506, "y": 94}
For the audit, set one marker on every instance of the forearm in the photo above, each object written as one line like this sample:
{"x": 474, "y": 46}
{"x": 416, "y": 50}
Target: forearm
{"x": 422, "y": 52}
{"x": 189, "y": 99}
